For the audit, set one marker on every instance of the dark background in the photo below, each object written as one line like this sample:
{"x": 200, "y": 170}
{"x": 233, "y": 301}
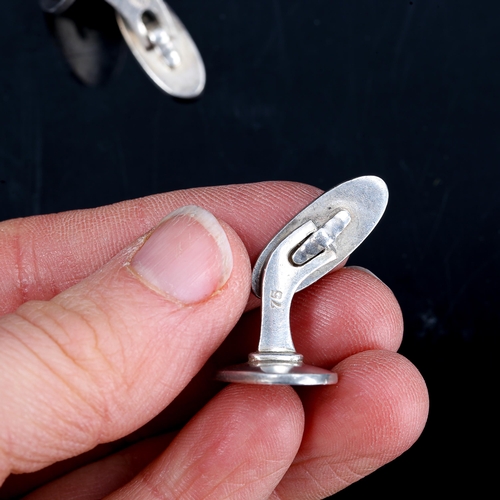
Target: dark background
{"x": 318, "y": 92}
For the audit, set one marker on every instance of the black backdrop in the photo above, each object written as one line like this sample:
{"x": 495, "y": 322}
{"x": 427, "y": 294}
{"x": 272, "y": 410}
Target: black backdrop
{"x": 318, "y": 92}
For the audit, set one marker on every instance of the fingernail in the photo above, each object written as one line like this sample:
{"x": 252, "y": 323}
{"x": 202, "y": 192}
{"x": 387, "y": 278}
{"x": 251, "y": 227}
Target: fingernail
{"x": 187, "y": 256}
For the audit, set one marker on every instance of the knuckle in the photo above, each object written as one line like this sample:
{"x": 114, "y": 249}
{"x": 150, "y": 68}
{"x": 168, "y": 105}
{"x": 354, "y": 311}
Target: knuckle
{"x": 62, "y": 347}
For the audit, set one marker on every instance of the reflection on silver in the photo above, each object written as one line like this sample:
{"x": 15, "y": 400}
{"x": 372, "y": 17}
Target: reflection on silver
{"x": 313, "y": 243}
{"x": 162, "y": 45}
{"x": 158, "y": 40}
{"x": 324, "y": 238}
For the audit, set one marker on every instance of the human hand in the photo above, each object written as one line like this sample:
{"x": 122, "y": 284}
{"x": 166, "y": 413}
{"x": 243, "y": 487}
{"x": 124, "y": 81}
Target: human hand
{"x": 109, "y": 342}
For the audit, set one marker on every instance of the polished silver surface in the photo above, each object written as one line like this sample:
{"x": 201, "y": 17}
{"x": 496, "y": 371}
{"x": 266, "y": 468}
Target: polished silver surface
{"x": 159, "y": 41}
{"x": 277, "y": 374}
{"x": 313, "y": 243}
{"x": 364, "y": 198}
{"x": 324, "y": 238}
{"x": 162, "y": 45}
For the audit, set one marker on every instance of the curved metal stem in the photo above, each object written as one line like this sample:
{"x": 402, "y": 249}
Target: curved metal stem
{"x": 280, "y": 281}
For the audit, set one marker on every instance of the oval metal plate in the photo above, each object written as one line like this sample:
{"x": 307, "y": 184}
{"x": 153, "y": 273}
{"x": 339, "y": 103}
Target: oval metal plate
{"x": 186, "y": 80}
{"x": 365, "y": 198}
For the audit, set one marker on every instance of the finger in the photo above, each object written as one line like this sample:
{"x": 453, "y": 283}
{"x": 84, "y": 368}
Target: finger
{"x": 102, "y": 358}
{"x": 18, "y": 485}
{"x": 261, "y": 438}
{"x": 375, "y": 412}
{"x": 42, "y": 256}
{"x": 346, "y": 312}
{"x": 238, "y": 446}
{"x": 98, "y": 479}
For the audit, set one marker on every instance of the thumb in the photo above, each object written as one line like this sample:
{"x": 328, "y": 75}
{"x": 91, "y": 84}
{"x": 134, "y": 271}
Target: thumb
{"x": 104, "y": 357}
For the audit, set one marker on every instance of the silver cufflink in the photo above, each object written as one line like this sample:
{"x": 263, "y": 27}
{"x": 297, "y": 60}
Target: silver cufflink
{"x": 159, "y": 41}
{"x": 312, "y": 244}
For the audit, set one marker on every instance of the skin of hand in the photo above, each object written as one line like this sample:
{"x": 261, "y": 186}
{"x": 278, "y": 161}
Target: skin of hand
{"x": 114, "y": 320}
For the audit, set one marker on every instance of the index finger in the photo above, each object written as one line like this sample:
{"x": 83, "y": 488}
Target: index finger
{"x": 42, "y": 256}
